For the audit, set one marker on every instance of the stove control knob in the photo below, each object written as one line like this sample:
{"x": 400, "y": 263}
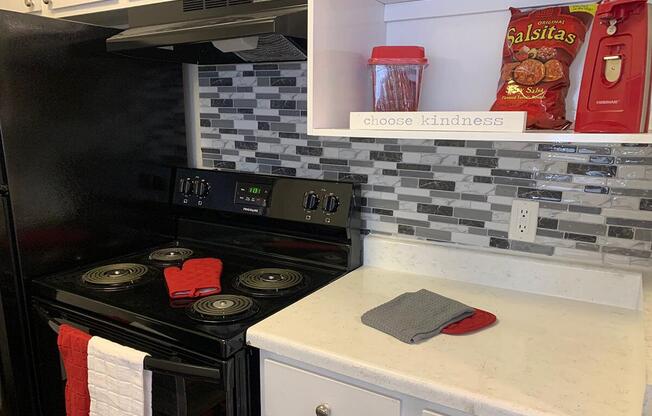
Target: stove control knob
{"x": 200, "y": 187}
{"x": 323, "y": 410}
{"x": 331, "y": 204}
{"x": 311, "y": 200}
{"x": 185, "y": 187}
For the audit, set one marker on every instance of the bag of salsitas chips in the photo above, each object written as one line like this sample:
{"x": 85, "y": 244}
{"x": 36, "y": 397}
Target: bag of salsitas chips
{"x": 540, "y": 46}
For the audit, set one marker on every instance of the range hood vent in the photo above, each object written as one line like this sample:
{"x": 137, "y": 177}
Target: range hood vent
{"x": 194, "y": 5}
{"x": 218, "y": 31}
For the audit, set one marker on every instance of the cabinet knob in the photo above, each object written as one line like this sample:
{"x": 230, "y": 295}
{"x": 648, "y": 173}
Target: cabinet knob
{"x": 323, "y": 410}
{"x": 46, "y": 1}
{"x": 29, "y": 3}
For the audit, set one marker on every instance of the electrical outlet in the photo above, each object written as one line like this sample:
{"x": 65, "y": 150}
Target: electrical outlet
{"x": 524, "y": 220}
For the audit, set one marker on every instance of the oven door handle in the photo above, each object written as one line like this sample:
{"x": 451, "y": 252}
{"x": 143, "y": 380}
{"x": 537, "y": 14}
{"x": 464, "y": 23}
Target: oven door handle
{"x": 156, "y": 365}
{"x": 172, "y": 368}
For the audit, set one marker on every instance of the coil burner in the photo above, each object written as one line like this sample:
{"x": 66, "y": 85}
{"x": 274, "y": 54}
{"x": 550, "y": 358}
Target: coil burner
{"x": 223, "y": 308}
{"x": 115, "y": 276}
{"x": 171, "y": 255}
{"x": 270, "y": 282}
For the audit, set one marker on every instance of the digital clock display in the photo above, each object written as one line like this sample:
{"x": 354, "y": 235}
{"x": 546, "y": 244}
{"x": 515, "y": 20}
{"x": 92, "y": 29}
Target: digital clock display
{"x": 252, "y": 194}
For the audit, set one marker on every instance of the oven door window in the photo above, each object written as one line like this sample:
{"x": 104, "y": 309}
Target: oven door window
{"x": 178, "y": 396}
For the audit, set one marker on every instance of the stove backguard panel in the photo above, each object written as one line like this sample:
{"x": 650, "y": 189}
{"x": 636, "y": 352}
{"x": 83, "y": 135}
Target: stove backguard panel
{"x": 596, "y": 200}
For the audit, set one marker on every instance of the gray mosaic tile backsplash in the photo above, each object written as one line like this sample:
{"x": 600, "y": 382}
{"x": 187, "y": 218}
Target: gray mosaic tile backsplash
{"x": 596, "y": 200}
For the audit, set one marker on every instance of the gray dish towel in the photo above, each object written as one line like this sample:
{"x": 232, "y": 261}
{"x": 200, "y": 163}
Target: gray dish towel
{"x": 416, "y": 316}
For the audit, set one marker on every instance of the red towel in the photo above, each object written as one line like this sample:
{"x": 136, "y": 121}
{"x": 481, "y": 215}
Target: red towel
{"x": 197, "y": 278}
{"x": 73, "y": 345}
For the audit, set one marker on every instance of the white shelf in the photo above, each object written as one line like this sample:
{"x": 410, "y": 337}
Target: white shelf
{"x": 537, "y": 136}
{"x": 340, "y": 44}
{"x": 396, "y": 11}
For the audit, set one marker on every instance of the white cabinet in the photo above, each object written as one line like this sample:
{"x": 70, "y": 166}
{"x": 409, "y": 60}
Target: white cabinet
{"x": 55, "y": 8}
{"x": 294, "y": 388}
{"x": 56, "y": 5}
{"x": 463, "y": 41}
{"x": 68, "y": 8}
{"x": 24, "y": 6}
{"x": 289, "y": 391}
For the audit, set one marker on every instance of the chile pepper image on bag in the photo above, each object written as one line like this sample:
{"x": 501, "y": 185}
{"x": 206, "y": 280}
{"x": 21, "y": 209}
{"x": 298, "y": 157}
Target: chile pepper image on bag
{"x": 540, "y": 46}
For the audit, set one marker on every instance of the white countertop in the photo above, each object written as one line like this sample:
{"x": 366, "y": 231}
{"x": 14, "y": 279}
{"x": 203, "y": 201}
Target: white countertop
{"x": 545, "y": 356}
{"x": 647, "y": 296}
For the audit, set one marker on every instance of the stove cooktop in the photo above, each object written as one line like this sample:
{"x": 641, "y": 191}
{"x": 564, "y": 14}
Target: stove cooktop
{"x": 131, "y": 291}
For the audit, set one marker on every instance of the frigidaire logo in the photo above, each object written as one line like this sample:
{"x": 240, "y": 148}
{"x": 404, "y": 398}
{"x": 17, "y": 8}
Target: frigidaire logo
{"x": 606, "y": 102}
{"x": 254, "y": 210}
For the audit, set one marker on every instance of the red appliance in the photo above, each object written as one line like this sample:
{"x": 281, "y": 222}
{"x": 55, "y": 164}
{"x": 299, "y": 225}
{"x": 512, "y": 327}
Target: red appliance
{"x": 615, "y": 91}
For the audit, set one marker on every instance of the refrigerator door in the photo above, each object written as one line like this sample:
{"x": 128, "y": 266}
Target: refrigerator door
{"x": 89, "y": 138}
{"x": 14, "y": 376}
{"x": 89, "y": 141}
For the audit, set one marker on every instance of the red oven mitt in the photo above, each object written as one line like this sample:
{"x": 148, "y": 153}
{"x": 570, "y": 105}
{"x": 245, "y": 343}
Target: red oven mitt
{"x": 73, "y": 346}
{"x": 479, "y": 320}
{"x": 196, "y": 278}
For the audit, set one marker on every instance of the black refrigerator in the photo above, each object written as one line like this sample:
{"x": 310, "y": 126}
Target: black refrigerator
{"x": 88, "y": 141}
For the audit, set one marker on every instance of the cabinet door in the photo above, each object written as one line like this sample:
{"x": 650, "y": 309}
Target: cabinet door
{"x": 289, "y": 391}
{"x": 23, "y": 6}
{"x": 62, "y": 4}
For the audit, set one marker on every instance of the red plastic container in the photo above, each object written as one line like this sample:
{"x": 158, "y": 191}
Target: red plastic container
{"x": 397, "y": 72}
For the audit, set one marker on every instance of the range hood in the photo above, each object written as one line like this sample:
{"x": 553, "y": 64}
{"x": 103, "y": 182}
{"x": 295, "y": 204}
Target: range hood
{"x": 218, "y": 31}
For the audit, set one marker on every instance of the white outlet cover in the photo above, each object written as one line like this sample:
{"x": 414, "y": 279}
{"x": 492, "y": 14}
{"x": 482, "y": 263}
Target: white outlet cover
{"x": 524, "y": 220}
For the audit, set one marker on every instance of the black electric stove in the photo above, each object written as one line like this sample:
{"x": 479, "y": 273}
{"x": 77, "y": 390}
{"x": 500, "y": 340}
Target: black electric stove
{"x": 279, "y": 239}
{"x": 132, "y": 290}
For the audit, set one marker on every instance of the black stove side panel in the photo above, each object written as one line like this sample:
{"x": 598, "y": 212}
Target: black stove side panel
{"x": 89, "y": 139}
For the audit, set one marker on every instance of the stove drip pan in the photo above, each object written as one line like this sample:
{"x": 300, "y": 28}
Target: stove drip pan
{"x": 270, "y": 282}
{"x": 171, "y": 255}
{"x": 115, "y": 276}
{"x": 222, "y": 308}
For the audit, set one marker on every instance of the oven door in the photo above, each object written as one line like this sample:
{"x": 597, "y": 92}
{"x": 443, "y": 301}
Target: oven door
{"x": 183, "y": 383}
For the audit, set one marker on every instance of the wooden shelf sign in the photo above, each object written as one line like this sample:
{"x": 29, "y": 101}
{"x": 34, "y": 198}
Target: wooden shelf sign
{"x": 446, "y": 121}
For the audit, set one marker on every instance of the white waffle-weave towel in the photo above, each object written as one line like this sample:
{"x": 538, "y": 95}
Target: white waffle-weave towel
{"x": 118, "y": 383}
